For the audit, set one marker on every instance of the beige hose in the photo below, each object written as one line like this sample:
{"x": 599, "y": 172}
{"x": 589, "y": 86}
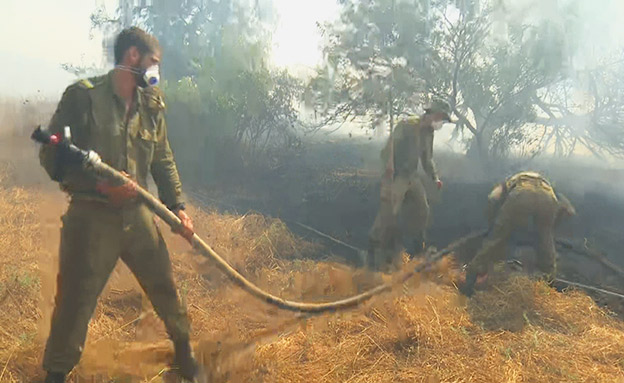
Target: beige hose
{"x": 174, "y": 222}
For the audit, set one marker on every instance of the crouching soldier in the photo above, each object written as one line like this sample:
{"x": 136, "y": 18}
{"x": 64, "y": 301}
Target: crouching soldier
{"x": 511, "y": 204}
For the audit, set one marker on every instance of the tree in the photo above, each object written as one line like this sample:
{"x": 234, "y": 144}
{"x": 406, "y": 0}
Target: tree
{"x": 385, "y": 56}
{"x": 594, "y": 121}
{"x": 490, "y": 83}
{"x": 370, "y": 74}
{"x": 191, "y": 30}
{"x": 224, "y": 105}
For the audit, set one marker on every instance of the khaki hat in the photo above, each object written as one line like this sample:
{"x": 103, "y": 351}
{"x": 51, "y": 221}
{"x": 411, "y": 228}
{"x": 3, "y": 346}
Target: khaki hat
{"x": 440, "y": 106}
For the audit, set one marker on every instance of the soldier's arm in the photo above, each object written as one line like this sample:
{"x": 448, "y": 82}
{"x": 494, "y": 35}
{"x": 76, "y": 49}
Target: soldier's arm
{"x": 427, "y": 157}
{"x": 494, "y": 202}
{"x": 565, "y": 209}
{"x": 164, "y": 169}
{"x": 69, "y": 112}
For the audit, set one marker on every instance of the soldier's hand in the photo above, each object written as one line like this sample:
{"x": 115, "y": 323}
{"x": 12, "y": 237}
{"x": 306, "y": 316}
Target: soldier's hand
{"x": 187, "y": 230}
{"x": 118, "y": 195}
{"x": 439, "y": 184}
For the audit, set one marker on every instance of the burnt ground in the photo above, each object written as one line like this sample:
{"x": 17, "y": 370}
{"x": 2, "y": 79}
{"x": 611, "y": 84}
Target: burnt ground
{"x": 334, "y": 188}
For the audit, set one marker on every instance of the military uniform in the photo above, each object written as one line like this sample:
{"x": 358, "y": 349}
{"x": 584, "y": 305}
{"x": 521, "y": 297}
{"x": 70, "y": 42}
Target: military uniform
{"x": 94, "y": 233}
{"x": 511, "y": 204}
{"x": 410, "y": 144}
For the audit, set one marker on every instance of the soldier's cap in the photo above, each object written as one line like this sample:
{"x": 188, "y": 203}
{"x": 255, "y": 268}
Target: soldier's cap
{"x": 440, "y": 106}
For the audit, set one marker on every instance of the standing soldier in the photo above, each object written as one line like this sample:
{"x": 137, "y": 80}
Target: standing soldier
{"x": 120, "y": 116}
{"x": 510, "y": 206}
{"x": 401, "y": 188}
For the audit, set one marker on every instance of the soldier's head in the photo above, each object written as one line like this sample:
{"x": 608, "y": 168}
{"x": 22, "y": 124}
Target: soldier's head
{"x": 138, "y": 52}
{"x": 437, "y": 113}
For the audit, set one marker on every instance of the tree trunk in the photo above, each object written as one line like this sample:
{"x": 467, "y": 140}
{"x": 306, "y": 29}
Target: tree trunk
{"x": 474, "y": 149}
{"x": 479, "y": 148}
{"x": 391, "y": 112}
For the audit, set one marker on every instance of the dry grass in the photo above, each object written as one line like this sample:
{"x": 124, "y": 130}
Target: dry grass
{"x": 515, "y": 331}
{"x": 19, "y": 283}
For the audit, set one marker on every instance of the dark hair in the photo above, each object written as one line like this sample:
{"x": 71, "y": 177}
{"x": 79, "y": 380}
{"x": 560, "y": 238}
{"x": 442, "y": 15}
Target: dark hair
{"x": 134, "y": 37}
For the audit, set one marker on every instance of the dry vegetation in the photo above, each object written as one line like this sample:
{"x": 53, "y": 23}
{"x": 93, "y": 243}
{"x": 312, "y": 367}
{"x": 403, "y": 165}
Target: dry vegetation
{"x": 516, "y": 331}
{"x": 19, "y": 281}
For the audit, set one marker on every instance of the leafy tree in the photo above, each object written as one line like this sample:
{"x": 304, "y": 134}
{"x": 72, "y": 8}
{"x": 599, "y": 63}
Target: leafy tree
{"x": 508, "y": 89}
{"x": 594, "y": 121}
{"x": 225, "y": 107}
{"x": 371, "y": 60}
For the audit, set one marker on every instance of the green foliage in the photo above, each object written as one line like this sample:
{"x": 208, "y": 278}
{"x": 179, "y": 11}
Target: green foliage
{"x": 371, "y": 61}
{"x": 493, "y": 81}
{"x": 510, "y": 90}
{"x": 233, "y": 122}
{"x": 226, "y": 109}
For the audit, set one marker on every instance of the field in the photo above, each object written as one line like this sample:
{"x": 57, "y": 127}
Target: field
{"x": 424, "y": 331}
{"x": 513, "y": 330}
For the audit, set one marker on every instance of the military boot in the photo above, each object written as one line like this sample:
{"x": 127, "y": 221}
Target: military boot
{"x": 55, "y": 377}
{"x": 468, "y": 287}
{"x": 418, "y": 246}
{"x": 184, "y": 362}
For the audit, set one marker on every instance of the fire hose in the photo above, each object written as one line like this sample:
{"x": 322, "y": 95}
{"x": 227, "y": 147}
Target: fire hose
{"x": 92, "y": 162}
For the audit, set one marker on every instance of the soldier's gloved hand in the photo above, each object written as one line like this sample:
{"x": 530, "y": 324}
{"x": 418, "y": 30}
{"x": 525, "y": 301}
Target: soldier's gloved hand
{"x": 187, "y": 230}
{"x": 439, "y": 184}
{"x": 118, "y": 195}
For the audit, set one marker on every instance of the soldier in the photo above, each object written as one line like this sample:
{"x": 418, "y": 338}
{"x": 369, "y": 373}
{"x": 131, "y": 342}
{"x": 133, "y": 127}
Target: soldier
{"x": 510, "y": 205}
{"x": 120, "y": 116}
{"x": 401, "y": 188}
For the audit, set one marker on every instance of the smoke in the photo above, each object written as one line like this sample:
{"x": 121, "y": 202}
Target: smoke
{"x": 599, "y": 32}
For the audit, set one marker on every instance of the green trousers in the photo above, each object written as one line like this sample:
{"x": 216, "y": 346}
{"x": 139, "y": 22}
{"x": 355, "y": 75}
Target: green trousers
{"x": 405, "y": 196}
{"x": 519, "y": 206}
{"x": 94, "y": 235}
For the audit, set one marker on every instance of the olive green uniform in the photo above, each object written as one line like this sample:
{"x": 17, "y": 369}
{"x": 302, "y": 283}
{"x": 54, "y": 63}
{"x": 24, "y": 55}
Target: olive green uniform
{"x": 510, "y": 206}
{"x": 410, "y": 144}
{"x": 94, "y": 233}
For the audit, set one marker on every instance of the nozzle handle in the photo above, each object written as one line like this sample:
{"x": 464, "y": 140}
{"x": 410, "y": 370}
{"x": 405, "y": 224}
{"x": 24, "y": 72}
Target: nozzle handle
{"x": 41, "y": 136}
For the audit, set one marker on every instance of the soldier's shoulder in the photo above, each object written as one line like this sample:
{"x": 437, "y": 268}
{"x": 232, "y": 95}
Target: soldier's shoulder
{"x": 83, "y": 86}
{"x": 409, "y": 121}
{"x": 406, "y": 125}
{"x": 154, "y": 99}
{"x": 413, "y": 120}
{"x": 89, "y": 83}
{"x": 530, "y": 175}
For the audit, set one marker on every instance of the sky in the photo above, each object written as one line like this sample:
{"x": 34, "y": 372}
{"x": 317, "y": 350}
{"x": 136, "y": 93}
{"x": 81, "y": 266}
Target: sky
{"x": 37, "y": 36}
{"x": 297, "y": 39}
{"x": 33, "y": 45}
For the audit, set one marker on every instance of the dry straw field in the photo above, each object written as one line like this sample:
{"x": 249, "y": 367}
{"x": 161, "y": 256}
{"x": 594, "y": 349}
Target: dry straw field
{"x": 515, "y": 331}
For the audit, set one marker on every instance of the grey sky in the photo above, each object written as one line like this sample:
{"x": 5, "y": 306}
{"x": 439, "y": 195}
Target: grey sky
{"x": 37, "y": 36}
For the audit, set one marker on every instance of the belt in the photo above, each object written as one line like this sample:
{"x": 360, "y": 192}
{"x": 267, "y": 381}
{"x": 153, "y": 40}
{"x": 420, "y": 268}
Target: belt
{"x": 88, "y": 196}
{"x": 96, "y": 197}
